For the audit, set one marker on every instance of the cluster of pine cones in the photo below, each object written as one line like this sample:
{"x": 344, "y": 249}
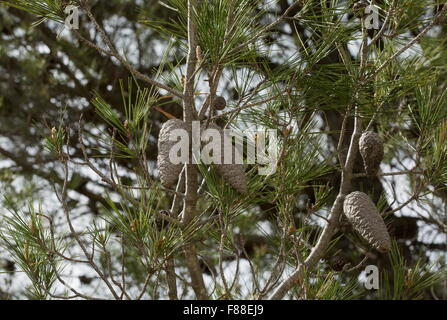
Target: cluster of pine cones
{"x": 232, "y": 173}
{"x": 358, "y": 207}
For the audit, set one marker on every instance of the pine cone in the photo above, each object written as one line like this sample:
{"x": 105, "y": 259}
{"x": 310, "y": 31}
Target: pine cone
{"x": 233, "y": 173}
{"x": 337, "y": 263}
{"x": 169, "y": 172}
{"x": 366, "y": 220}
{"x": 219, "y": 103}
{"x": 371, "y": 149}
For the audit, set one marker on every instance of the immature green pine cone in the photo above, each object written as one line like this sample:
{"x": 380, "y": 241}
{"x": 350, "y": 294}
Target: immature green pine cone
{"x": 371, "y": 149}
{"x": 233, "y": 173}
{"x": 169, "y": 172}
{"x": 366, "y": 220}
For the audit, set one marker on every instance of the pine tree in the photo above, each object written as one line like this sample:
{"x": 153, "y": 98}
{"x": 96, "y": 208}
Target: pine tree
{"x": 83, "y": 109}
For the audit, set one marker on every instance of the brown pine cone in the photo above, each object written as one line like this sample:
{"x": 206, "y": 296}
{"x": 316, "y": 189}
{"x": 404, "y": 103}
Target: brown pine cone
{"x": 371, "y": 150}
{"x": 337, "y": 263}
{"x": 233, "y": 173}
{"x": 169, "y": 172}
{"x": 366, "y": 220}
{"x": 219, "y": 103}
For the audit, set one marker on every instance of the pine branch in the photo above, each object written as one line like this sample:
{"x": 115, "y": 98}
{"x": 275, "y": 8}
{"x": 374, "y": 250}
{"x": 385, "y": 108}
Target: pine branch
{"x": 191, "y": 185}
{"x": 269, "y": 27}
{"x": 337, "y": 208}
{"x": 114, "y": 52}
{"x": 89, "y": 256}
{"x": 384, "y": 25}
{"x": 413, "y": 41}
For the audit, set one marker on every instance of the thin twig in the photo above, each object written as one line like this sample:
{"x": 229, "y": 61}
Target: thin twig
{"x": 267, "y": 28}
{"x": 114, "y": 53}
{"x": 387, "y": 174}
{"x": 191, "y": 186}
{"x": 413, "y": 41}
